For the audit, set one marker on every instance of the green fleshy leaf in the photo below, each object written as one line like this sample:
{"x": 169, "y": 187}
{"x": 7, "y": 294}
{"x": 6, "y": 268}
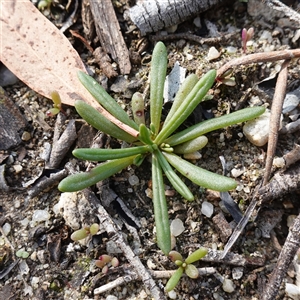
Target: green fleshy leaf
{"x": 192, "y": 145}
{"x": 174, "y": 179}
{"x": 199, "y": 129}
{"x": 109, "y": 103}
{"x": 80, "y": 181}
{"x": 196, "y": 255}
{"x": 172, "y": 282}
{"x": 138, "y": 108}
{"x": 95, "y": 154}
{"x": 145, "y": 135}
{"x": 201, "y": 176}
{"x": 98, "y": 121}
{"x": 160, "y": 208}
{"x": 182, "y": 93}
{"x": 158, "y": 72}
{"x": 191, "y": 271}
{"x": 187, "y": 106}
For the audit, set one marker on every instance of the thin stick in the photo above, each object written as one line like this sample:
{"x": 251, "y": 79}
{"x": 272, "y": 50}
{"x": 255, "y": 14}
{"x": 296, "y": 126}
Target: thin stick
{"x": 285, "y": 258}
{"x": 259, "y": 57}
{"x": 276, "y": 110}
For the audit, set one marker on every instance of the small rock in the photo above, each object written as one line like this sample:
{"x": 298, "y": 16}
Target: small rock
{"x": 237, "y": 172}
{"x": 111, "y": 297}
{"x": 212, "y": 54}
{"x": 6, "y": 228}
{"x": 292, "y": 291}
{"x": 279, "y": 162}
{"x": 26, "y": 136}
{"x": 291, "y": 101}
{"x": 207, "y": 209}
{"x": 228, "y": 286}
{"x": 172, "y": 294}
{"x": 177, "y": 227}
{"x": 40, "y": 215}
{"x": 18, "y": 168}
{"x": 257, "y": 130}
{"x": 133, "y": 180}
{"x": 237, "y": 273}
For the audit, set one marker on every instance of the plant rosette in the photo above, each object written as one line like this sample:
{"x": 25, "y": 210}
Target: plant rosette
{"x": 158, "y": 139}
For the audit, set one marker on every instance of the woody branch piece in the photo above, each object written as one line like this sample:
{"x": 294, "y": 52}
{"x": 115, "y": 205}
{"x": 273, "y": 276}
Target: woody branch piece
{"x": 276, "y": 109}
{"x": 109, "y": 33}
{"x": 285, "y": 258}
{"x": 259, "y": 57}
{"x": 152, "y": 16}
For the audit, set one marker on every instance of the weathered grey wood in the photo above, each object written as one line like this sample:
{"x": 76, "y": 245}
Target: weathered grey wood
{"x": 154, "y": 15}
{"x": 109, "y": 33}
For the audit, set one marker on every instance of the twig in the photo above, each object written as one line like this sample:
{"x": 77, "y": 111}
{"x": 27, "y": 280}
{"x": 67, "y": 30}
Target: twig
{"x": 259, "y": 57}
{"x": 155, "y": 274}
{"x": 195, "y": 38}
{"x": 285, "y": 258}
{"x": 288, "y": 12}
{"x": 118, "y": 238}
{"x": 276, "y": 110}
{"x": 293, "y": 156}
{"x": 61, "y": 144}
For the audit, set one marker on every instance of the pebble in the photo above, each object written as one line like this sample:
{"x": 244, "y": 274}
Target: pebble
{"x": 237, "y": 172}
{"x": 26, "y": 136}
{"x": 18, "y": 168}
{"x": 257, "y": 130}
{"x": 177, "y": 227}
{"x": 111, "y": 297}
{"x": 291, "y": 101}
{"x": 292, "y": 291}
{"x": 228, "y": 286}
{"x": 172, "y": 294}
{"x": 212, "y": 54}
{"x": 133, "y": 180}
{"x": 40, "y": 215}
{"x": 279, "y": 162}
{"x": 6, "y": 229}
{"x": 237, "y": 273}
{"x": 207, "y": 209}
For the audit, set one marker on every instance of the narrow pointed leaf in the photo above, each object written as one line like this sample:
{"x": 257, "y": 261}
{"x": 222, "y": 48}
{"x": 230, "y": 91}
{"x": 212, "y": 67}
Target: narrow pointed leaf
{"x": 182, "y": 93}
{"x": 174, "y": 179}
{"x": 187, "y": 106}
{"x": 236, "y": 117}
{"x": 145, "y": 135}
{"x": 83, "y": 180}
{"x": 172, "y": 282}
{"x": 94, "y": 154}
{"x": 160, "y": 208}
{"x": 201, "y": 176}
{"x": 98, "y": 121}
{"x": 109, "y": 103}
{"x": 158, "y": 71}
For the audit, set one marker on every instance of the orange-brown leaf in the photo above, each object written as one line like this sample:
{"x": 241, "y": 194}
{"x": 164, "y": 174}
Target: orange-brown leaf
{"x": 41, "y": 56}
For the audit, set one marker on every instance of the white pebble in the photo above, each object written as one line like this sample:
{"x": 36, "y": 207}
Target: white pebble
{"x": 237, "y": 172}
{"x": 6, "y": 228}
{"x": 237, "y": 273}
{"x": 177, "y": 227}
{"x": 231, "y": 50}
{"x": 197, "y": 22}
{"x": 292, "y": 291}
{"x": 228, "y": 286}
{"x": 111, "y": 297}
{"x": 18, "y": 168}
{"x": 257, "y": 130}
{"x": 212, "y": 54}
{"x": 172, "y": 294}
{"x": 40, "y": 215}
{"x": 133, "y": 180}
{"x": 279, "y": 162}
{"x": 207, "y": 209}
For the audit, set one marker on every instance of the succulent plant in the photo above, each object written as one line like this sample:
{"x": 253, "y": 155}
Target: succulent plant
{"x": 158, "y": 140}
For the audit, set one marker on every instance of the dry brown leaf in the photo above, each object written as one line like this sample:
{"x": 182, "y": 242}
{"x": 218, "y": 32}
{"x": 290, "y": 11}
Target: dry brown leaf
{"x": 41, "y": 56}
